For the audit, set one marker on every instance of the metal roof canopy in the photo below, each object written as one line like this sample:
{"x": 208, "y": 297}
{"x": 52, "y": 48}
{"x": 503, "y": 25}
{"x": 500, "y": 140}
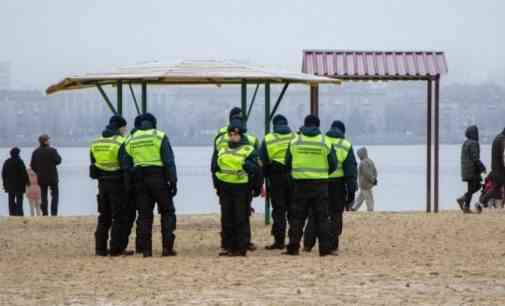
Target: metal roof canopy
{"x": 350, "y": 65}
{"x": 194, "y": 72}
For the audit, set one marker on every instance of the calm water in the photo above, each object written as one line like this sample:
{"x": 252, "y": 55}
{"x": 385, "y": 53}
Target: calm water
{"x": 401, "y": 179}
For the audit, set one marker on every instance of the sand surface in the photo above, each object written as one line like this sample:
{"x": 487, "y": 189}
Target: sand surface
{"x": 386, "y": 259}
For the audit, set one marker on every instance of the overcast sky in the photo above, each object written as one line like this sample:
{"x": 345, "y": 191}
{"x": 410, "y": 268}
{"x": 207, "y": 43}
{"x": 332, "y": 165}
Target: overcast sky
{"x": 46, "y": 40}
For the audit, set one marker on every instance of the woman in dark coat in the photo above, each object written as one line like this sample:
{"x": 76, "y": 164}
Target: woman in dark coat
{"x": 15, "y": 180}
{"x": 471, "y": 167}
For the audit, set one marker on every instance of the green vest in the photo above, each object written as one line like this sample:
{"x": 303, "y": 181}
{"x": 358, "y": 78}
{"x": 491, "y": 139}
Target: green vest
{"x": 309, "y": 157}
{"x": 277, "y": 145}
{"x": 231, "y": 164}
{"x": 144, "y": 147}
{"x": 342, "y": 148}
{"x": 222, "y": 138}
{"x": 105, "y": 150}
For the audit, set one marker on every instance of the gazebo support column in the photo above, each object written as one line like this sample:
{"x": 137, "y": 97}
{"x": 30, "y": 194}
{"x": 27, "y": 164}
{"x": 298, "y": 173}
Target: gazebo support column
{"x": 119, "y": 86}
{"x": 437, "y": 142}
{"x": 314, "y": 99}
{"x": 243, "y": 100}
{"x": 267, "y": 130}
{"x": 428, "y": 145}
{"x": 144, "y": 97}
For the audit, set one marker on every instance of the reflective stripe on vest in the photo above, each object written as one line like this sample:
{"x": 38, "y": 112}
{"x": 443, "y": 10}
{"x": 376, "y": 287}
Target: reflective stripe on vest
{"x": 309, "y": 157}
{"x": 144, "y": 147}
{"x": 231, "y": 163}
{"x": 277, "y": 145}
{"x": 342, "y": 148}
{"x": 105, "y": 151}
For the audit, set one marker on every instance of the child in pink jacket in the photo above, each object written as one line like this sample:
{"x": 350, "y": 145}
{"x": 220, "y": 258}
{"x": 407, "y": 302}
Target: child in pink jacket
{"x": 33, "y": 194}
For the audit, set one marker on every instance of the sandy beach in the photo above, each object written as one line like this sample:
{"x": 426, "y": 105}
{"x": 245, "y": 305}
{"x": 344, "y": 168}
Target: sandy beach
{"x": 386, "y": 259}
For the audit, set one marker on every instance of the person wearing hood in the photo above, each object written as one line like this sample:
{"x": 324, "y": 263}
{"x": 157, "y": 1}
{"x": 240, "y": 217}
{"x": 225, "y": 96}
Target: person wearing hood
{"x": 106, "y": 153}
{"x": 15, "y": 180}
{"x": 221, "y": 141}
{"x": 235, "y": 171}
{"x": 273, "y": 153}
{"x": 342, "y": 187}
{"x": 150, "y": 153}
{"x": 45, "y": 160}
{"x": 131, "y": 204}
{"x": 471, "y": 167}
{"x": 367, "y": 178}
{"x": 310, "y": 159}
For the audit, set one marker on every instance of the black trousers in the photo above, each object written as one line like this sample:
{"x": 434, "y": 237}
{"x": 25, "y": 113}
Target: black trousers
{"x": 281, "y": 194}
{"x": 16, "y": 204}
{"x": 235, "y": 212}
{"x": 472, "y": 187}
{"x": 150, "y": 190}
{"x": 111, "y": 215}
{"x": 54, "y": 199}
{"x": 131, "y": 216}
{"x": 307, "y": 196}
{"x": 337, "y": 201}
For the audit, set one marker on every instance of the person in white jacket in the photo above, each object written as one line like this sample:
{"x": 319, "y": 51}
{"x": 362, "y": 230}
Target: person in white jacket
{"x": 367, "y": 179}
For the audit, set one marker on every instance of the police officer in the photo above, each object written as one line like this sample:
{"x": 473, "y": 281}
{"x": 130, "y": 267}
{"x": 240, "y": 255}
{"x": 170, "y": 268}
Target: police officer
{"x": 310, "y": 160}
{"x": 221, "y": 141}
{"x": 155, "y": 182}
{"x": 131, "y": 203}
{"x": 273, "y": 157}
{"x": 105, "y": 166}
{"x": 342, "y": 186}
{"x": 235, "y": 171}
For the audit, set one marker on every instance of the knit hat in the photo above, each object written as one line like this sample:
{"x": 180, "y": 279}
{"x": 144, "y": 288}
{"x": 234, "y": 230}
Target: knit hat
{"x": 337, "y": 124}
{"x": 280, "y": 120}
{"x": 311, "y": 121}
{"x": 117, "y": 122}
{"x": 149, "y": 117}
{"x": 236, "y": 126}
{"x": 138, "y": 121}
{"x": 235, "y": 112}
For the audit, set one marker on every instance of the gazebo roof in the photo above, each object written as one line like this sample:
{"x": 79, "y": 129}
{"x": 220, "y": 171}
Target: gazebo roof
{"x": 375, "y": 65}
{"x": 190, "y": 72}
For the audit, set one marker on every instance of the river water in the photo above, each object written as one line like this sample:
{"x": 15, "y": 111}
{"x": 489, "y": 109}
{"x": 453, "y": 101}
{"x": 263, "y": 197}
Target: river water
{"x": 402, "y": 179}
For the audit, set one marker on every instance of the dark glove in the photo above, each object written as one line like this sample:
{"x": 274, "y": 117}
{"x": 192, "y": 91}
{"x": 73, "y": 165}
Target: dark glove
{"x": 375, "y": 182}
{"x": 93, "y": 172}
{"x": 481, "y": 167}
{"x": 172, "y": 189}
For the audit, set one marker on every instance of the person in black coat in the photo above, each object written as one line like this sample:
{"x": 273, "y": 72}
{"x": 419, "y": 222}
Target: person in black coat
{"x": 15, "y": 180}
{"x": 44, "y": 161}
{"x": 497, "y": 173}
{"x": 471, "y": 167}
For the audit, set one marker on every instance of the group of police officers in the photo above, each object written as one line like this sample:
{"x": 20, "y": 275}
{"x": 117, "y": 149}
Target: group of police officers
{"x": 310, "y": 178}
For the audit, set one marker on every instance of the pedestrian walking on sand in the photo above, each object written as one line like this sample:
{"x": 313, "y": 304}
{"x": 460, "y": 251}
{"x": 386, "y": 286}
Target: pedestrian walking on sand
{"x": 45, "y": 159}
{"x": 471, "y": 167}
{"x": 15, "y": 179}
{"x": 367, "y": 179}
{"x": 33, "y": 194}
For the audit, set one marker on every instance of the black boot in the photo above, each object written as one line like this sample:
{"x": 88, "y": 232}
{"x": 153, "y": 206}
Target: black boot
{"x": 277, "y": 245}
{"x": 147, "y": 249}
{"x": 292, "y": 250}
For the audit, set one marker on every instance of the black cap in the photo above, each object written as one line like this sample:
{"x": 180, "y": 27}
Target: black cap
{"x": 280, "y": 120}
{"x": 236, "y": 126}
{"x": 117, "y": 122}
{"x": 150, "y": 117}
{"x": 311, "y": 121}
{"x": 337, "y": 124}
{"x": 235, "y": 112}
